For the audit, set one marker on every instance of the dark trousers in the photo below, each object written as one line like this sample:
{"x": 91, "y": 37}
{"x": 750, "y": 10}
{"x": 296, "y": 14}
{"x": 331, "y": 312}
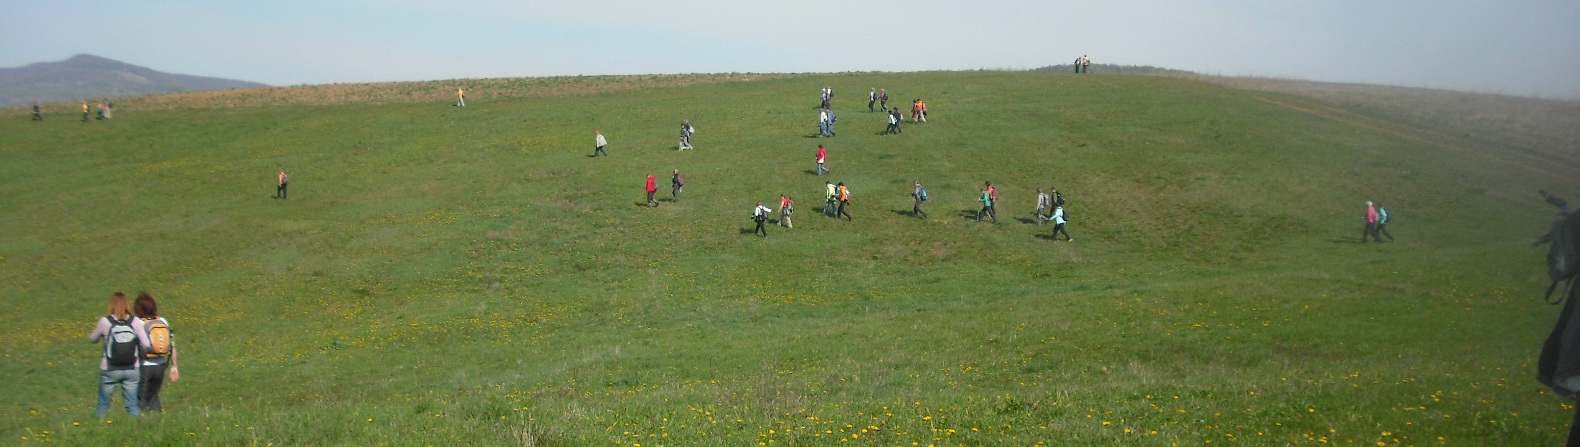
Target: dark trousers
{"x": 1370, "y": 231}
{"x": 674, "y": 193}
{"x": 148, "y": 393}
{"x": 1382, "y": 229}
{"x": 279, "y": 191}
{"x": 650, "y": 200}
{"x": 599, "y": 150}
{"x": 1059, "y": 228}
{"x": 917, "y": 210}
{"x": 869, "y": 104}
{"x": 760, "y": 227}
{"x": 842, "y": 212}
{"x": 983, "y": 213}
{"x": 37, "y": 117}
{"x": 84, "y": 117}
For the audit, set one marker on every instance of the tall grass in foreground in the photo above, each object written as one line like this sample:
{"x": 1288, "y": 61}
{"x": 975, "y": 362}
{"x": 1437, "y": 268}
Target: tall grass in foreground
{"x": 447, "y": 275}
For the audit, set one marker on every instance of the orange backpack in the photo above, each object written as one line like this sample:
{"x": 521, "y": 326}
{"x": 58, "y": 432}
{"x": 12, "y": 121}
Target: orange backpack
{"x": 158, "y": 338}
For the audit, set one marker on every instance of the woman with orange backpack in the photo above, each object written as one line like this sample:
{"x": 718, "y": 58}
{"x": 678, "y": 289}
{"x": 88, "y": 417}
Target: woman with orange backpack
{"x": 160, "y": 355}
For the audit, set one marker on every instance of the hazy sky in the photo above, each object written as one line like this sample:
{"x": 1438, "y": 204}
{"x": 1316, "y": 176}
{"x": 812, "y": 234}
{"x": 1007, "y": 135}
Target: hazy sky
{"x": 1518, "y": 47}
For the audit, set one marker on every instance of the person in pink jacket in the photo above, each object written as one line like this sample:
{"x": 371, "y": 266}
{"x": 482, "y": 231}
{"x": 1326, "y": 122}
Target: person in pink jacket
{"x": 1371, "y": 224}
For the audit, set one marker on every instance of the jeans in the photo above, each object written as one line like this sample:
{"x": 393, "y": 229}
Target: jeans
{"x": 148, "y": 391}
{"x": 917, "y": 210}
{"x": 128, "y": 380}
{"x": 280, "y": 191}
{"x": 828, "y": 207}
{"x": 821, "y": 169}
{"x": 599, "y": 150}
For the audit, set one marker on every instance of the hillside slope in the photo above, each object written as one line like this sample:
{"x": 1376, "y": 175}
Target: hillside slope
{"x": 448, "y": 275}
{"x": 87, "y": 77}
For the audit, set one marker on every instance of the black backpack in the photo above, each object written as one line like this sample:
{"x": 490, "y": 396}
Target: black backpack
{"x": 1058, "y": 199}
{"x": 120, "y": 346}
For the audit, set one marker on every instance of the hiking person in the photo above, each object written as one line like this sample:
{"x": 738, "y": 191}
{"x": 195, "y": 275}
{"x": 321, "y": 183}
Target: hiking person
{"x": 918, "y": 195}
{"x": 822, "y": 156}
{"x": 872, "y": 98}
{"x": 916, "y": 110}
{"x": 37, "y": 114}
{"x": 992, "y": 200}
{"x": 460, "y": 97}
{"x": 1558, "y": 365}
{"x": 830, "y": 198}
{"x": 124, "y": 343}
{"x": 1058, "y": 224}
{"x": 1057, "y": 198}
{"x": 987, "y": 206}
{"x": 823, "y": 124}
{"x": 844, "y": 199}
{"x": 831, "y": 120}
{"x": 161, "y": 355}
{"x": 786, "y": 206}
{"x": 1382, "y": 223}
{"x": 109, "y": 109}
{"x": 675, "y": 183}
{"x": 685, "y": 135}
{"x": 899, "y": 121}
{"x": 599, "y": 143}
{"x": 84, "y": 112}
{"x": 1077, "y": 65}
{"x": 826, "y": 95}
{"x": 760, "y": 215}
{"x": 894, "y": 125}
{"x": 100, "y": 109}
{"x": 922, "y": 106}
{"x": 883, "y": 99}
{"x": 1086, "y": 64}
{"x": 282, "y": 185}
{"x": 1043, "y": 202}
{"x": 1371, "y": 224}
{"x": 651, "y": 188}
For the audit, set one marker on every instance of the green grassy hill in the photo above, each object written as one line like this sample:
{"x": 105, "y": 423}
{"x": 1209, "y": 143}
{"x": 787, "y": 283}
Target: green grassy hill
{"x": 469, "y": 276}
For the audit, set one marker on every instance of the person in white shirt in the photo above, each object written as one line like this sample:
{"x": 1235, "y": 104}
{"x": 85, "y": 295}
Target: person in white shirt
{"x": 760, "y": 215}
{"x": 601, "y": 142}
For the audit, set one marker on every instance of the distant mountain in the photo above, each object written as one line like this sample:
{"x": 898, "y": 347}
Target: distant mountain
{"x": 86, "y": 77}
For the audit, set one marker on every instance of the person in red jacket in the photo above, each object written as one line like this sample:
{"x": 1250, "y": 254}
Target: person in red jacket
{"x": 822, "y": 156}
{"x": 651, "y": 188}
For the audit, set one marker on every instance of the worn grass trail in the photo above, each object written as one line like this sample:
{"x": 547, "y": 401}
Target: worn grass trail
{"x": 445, "y": 275}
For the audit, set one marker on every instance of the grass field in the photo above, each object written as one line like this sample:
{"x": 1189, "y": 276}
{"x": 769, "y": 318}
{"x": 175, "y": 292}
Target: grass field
{"x": 469, "y": 276}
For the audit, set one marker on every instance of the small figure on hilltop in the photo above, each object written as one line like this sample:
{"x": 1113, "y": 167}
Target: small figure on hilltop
{"x": 1086, "y": 64}
{"x": 883, "y": 99}
{"x": 686, "y": 130}
{"x": 161, "y": 355}
{"x": 992, "y": 200}
{"x": 1382, "y": 222}
{"x": 675, "y": 184}
{"x": 786, "y": 206}
{"x": 1077, "y": 65}
{"x": 109, "y": 109}
{"x": 919, "y": 195}
{"x": 282, "y": 185}
{"x": 37, "y": 113}
{"x": 124, "y": 343}
{"x": 760, "y": 216}
{"x": 1058, "y": 224}
{"x": 599, "y": 142}
{"x": 923, "y": 105}
{"x": 844, "y": 199}
{"x": 830, "y": 198}
{"x": 651, "y": 188}
{"x": 1371, "y": 224}
{"x": 460, "y": 97}
{"x": 872, "y": 98}
{"x": 85, "y": 111}
{"x": 827, "y": 94}
{"x": 100, "y": 109}
{"x": 822, "y": 156}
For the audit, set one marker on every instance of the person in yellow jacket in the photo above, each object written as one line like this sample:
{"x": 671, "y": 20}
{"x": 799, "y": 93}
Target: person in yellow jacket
{"x": 84, "y": 112}
{"x": 460, "y": 97}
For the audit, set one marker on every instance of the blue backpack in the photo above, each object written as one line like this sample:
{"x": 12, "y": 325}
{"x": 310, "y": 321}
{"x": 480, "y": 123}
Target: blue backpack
{"x": 924, "y": 194}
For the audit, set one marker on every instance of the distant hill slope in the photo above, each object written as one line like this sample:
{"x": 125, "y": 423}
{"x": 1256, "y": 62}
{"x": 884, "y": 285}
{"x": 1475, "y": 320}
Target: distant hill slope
{"x": 86, "y": 76}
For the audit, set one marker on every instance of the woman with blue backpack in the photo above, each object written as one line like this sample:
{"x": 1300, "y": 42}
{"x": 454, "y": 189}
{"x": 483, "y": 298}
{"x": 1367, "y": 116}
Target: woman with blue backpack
{"x": 124, "y": 344}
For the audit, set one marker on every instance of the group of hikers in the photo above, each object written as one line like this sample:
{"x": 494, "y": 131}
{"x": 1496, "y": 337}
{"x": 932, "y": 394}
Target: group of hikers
{"x": 1376, "y": 223}
{"x": 139, "y": 353}
{"x": 105, "y": 109}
